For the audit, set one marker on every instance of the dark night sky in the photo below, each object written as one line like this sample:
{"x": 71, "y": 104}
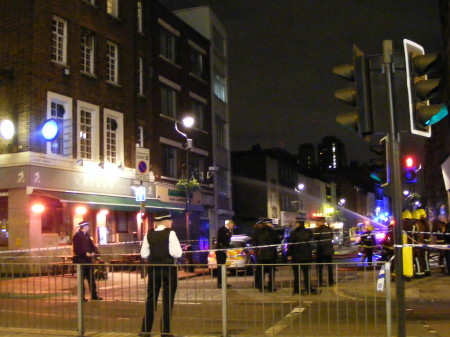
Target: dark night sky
{"x": 281, "y": 54}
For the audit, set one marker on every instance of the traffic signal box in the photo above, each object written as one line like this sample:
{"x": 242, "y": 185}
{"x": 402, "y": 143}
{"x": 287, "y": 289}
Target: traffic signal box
{"x": 412, "y": 87}
{"x": 379, "y": 165}
{"x": 409, "y": 170}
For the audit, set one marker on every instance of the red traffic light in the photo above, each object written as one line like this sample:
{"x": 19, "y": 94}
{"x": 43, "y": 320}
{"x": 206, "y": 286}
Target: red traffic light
{"x": 409, "y": 162}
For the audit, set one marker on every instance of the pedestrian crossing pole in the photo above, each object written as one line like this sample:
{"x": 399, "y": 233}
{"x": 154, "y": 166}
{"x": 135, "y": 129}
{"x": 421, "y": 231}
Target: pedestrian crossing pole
{"x": 393, "y": 141}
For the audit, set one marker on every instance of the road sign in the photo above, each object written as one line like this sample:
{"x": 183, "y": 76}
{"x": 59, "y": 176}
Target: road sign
{"x": 142, "y": 164}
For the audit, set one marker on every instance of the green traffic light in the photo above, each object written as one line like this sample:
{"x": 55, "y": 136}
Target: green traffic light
{"x": 443, "y": 111}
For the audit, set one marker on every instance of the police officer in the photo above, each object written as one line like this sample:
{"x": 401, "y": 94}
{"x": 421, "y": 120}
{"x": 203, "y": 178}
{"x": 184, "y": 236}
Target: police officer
{"x": 224, "y": 234}
{"x": 84, "y": 252}
{"x": 265, "y": 235}
{"x": 324, "y": 254}
{"x": 161, "y": 247}
{"x": 367, "y": 244}
{"x": 300, "y": 251}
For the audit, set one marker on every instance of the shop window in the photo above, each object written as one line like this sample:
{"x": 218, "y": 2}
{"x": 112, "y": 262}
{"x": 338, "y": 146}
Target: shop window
{"x": 3, "y": 219}
{"x": 52, "y": 217}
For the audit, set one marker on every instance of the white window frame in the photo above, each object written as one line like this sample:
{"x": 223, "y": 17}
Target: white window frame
{"x": 66, "y": 133}
{"x": 88, "y": 52}
{"x": 140, "y": 76}
{"x": 112, "y": 7}
{"x": 107, "y": 113}
{"x": 95, "y": 129}
{"x": 59, "y": 40}
{"x": 112, "y": 62}
{"x": 139, "y": 10}
{"x": 218, "y": 41}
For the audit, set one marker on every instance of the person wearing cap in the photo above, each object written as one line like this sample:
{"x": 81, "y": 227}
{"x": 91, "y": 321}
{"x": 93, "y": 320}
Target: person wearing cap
{"x": 84, "y": 252}
{"x": 161, "y": 247}
{"x": 265, "y": 235}
{"x": 300, "y": 251}
{"x": 324, "y": 252}
{"x": 224, "y": 234}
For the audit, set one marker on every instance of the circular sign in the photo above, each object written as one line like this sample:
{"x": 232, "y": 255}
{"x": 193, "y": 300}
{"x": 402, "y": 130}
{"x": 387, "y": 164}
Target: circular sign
{"x": 142, "y": 167}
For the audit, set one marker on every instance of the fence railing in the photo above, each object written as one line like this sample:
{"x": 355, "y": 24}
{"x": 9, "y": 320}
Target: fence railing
{"x": 49, "y": 296}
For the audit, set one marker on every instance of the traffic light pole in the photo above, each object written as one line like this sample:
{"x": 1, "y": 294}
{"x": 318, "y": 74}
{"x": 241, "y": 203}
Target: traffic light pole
{"x": 393, "y": 141}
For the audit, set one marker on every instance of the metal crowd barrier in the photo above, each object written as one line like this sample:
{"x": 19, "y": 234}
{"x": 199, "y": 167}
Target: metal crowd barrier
{"x": 48, "y": 296}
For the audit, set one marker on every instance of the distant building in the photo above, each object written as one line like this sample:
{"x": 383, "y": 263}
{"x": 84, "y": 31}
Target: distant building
{"x": 307, "y": 157}
{"x": 331, "y": 154}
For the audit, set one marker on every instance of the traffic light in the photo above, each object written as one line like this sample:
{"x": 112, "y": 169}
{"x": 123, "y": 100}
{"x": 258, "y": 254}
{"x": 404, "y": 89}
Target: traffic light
{"x": 357, "y": 95}
{"x": 409, "y": 169}
{"x": 380, "y": 165}
{"x": 421, "y": 89}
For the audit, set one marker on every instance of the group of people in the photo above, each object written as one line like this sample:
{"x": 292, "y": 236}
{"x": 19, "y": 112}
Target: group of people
{"x": 299, "y": 252}
{"x": 161, "y": 247}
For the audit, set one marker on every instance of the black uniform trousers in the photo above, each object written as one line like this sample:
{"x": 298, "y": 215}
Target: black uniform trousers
{"x": 261, "y": 271}
{"x": 221, "y": 257}
{"x": 167, "y": 277}
{"x": 325, "y": 259}
{"x": 305, "y": 268}
{"x": 368, "y": 254}
{"x": 88, "y": 274}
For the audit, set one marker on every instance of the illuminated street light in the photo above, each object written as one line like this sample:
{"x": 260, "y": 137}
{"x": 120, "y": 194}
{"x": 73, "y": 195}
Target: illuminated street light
{"x": 405, "y": 193}
{"x": 7, "y": 129}
{"x": 341, "y": 201}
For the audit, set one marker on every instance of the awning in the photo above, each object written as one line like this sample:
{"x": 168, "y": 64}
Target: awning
{"x": 115, "y": 203}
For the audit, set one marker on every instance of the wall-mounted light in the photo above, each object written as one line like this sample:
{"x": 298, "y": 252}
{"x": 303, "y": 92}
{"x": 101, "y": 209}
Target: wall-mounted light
{"x": 79, "y": 162}
{"x": 7, "y": 129}
{"x": 38, "y": 208}
{"x": 103, "y": 212}
{"x": 101, "y": 165}
{"x": 81, "y": 210}
{"x": 50, "y": 129}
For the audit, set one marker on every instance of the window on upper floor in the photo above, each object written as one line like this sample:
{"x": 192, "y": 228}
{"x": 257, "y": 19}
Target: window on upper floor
{"x": 218, "y": 41}
{"x": 168, "y": 101}
{"x": 59, "y": 40}
{"x": 170, "y": 155}
{"x": 198, "y": 110}
{"x": 221, "y": 134}
{"x": 88, "y": 131}
{"x": 140, "y": 76}
{"x": 112, "y": 62}
{"x": 112, "y": 7}
{"x": 59, "y": 108}
{"x": 139, "y": 16}
{"x": 113, "y": 137}
{"x": 87, "y": 51}
{"x": 197, "y": 164}
{"x": 222, "y": 181}
{"x": 168, "y": 45}
{"x": 219, "y": 87}
{"x": 197, "y": 63}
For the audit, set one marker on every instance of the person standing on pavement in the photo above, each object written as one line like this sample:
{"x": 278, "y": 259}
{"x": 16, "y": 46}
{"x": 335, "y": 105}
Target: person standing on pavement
{"x": 324, "y": 252}
{"x": 84, "y": 252}
{"x": 224, "y": 234}
{"x": 266, "y": 257}
{"x": 367, "y": 244}
{"x": 300, "y": 251}
{"x": 446, "y": 235}
{"x": 161, "y": 246}
{"x": 438, "y": 228}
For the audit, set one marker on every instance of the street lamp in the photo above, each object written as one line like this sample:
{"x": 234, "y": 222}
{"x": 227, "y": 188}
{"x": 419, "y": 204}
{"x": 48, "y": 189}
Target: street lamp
{"x": 188, "y": 122}
{"x": 341, "y": 202}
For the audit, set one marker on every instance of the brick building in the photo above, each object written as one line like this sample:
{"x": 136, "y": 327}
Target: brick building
{"x": 114, "y": 76}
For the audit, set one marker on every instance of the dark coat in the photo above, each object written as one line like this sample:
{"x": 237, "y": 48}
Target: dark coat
{"x": 223, "y": 237}
{"x": 300, "y": 252}
{"x": 263, "y": 236}
{"x": 82, "y": 244}
{"x": 324, "y": 237}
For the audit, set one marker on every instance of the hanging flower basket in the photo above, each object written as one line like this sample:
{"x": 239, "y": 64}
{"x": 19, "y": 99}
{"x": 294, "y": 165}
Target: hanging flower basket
{"x": 185, "y": 185}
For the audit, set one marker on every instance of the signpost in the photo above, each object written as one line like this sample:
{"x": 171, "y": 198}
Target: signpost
{"x": 142, "y": 164}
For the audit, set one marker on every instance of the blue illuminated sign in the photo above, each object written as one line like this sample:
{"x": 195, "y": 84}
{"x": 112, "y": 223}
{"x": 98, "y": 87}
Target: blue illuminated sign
{"x": 50, "y": 129}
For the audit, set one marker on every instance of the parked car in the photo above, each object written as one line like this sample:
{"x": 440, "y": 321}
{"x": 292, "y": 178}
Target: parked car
{"x": 239, "y": 257}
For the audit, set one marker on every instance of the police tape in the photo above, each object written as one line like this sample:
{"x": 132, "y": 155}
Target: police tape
{"x": 419, "y": 245}
{"x": 134, "y": 242}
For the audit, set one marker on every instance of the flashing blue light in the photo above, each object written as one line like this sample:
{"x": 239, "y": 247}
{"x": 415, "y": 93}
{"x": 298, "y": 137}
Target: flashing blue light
{"x": 50, "y": 129}
{"x": 386, "y": 214}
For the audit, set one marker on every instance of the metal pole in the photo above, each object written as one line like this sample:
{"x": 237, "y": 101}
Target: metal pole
{"x": 188, "y": 196}
{"x": 80, "y": 297}
{"x": 141, "y": 229}
{"x": 393, "y": 144}
{"x": 223, "y": 271}
{"x": 387, "y": 278}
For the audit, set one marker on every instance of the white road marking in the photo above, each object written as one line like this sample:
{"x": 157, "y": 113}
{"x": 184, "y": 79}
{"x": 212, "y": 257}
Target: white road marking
{"x": 285, "y": 321}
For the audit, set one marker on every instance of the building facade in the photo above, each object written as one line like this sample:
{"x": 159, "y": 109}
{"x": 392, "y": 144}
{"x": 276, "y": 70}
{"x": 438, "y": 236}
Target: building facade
{"x": 111, "y": 78}
{"x": 205, "y": 21}
{"x": 331, "y": 154}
